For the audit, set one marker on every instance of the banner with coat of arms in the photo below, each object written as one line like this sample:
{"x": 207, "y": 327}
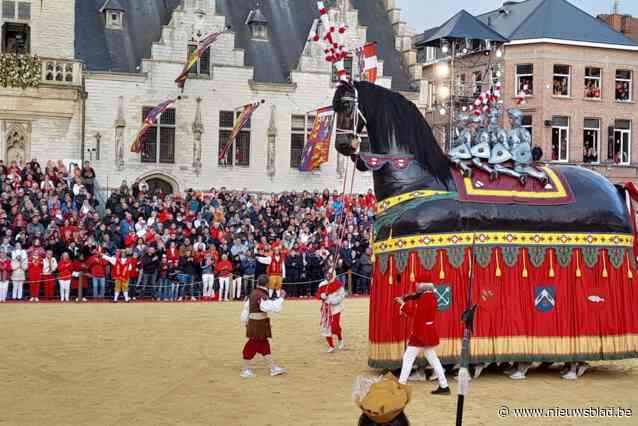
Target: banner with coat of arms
{"x": 317, "y": 149}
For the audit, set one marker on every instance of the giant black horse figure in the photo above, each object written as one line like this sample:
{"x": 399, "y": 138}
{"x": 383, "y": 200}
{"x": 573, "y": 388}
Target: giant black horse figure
{"x": 395, "y": 126}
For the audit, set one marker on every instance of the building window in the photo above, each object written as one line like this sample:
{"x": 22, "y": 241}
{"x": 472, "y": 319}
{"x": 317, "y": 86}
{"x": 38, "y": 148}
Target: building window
{"x": 624, "y": 85}
{"x": 238, "y": 153}
{"x": 24, "y": 11}
{"x": 478, "y": 83}
{"x": 16, "y": 10}
{"x": 593, "y": 83}
{"x": 621, "y": 153}
{"x": 591, "y": 140}
{"x": 114, "y": 19}
{"x": 528, "y": 125}
{"x": 300, "y": 129}
{"x": 525, "y": 77}
{"x": 202, "y": 67}
{"x": 259, "y": 31}
{"x": 460, "y": 84}
{"x": 16, "y": 38}
{"x": 347, "y": 65}
{"x": 560, "y": 139}
{"x": 159, "y": 143}
{"x": 561, "y": 80}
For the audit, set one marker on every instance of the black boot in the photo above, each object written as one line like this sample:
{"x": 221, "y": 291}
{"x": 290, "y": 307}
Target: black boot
{"x": 441, "y": 391}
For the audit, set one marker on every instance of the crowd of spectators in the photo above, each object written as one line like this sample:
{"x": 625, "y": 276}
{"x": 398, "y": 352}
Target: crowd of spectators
{"x": 57, "y": 238}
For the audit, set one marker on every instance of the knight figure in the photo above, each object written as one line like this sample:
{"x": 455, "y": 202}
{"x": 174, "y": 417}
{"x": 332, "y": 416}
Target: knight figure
{"x": 460, "y": 152}
{"x": 521, "y": 148}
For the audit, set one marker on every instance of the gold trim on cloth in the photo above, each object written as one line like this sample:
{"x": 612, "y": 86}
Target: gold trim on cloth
{"x": 517, "y": 346}
{"x": 555, "y": 239}
{"x": 559, "y": 192}
{"x": 388, "y": 203}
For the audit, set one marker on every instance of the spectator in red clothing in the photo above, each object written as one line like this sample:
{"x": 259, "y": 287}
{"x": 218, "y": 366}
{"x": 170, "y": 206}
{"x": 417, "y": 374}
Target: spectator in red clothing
{"x": 34, "y": 276}
{"x": 65, "y": 272}
{"x": 223, "y": 270}
{"x": 5, "y": 275}
{"x": 97, "y": 270}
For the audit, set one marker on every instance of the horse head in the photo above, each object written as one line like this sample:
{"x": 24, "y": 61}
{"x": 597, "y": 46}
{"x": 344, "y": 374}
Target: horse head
{"x": 403, "y": 152}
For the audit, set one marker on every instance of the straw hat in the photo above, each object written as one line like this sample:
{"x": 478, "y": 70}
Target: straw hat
{"x": 385, "y": 400}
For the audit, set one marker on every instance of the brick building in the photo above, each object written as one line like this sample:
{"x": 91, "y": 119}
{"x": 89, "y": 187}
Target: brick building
{"x": 104, "y": 62}
{"x": 626, "y": 24}
{"x": 581, "y": 105}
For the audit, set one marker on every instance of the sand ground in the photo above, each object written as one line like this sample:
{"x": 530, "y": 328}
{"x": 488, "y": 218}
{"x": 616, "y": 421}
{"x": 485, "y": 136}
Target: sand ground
{"x": 179, "y": 364}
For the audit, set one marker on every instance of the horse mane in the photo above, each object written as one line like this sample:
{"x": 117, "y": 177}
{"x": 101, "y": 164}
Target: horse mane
{"x": 391, "y": 118}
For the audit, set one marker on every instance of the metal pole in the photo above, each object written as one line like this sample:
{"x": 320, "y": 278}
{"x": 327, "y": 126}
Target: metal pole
{"x": 452, "y": 95}
{"x": 468, "y": 319}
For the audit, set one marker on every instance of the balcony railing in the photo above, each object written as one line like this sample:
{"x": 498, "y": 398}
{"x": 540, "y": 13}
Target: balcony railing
{"x": 61, "y": 72}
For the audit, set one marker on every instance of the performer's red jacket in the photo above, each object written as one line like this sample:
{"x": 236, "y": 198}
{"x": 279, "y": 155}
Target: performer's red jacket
{"x": 423, "y": 311}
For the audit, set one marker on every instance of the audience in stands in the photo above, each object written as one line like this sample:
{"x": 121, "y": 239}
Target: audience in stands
{"x": 56, "y": 238}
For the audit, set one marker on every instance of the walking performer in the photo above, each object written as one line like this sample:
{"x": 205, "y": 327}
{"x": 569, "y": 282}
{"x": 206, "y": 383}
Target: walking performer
{"x": 255, "y": 318}
{"x": 331, "y": 293}
{"x": 423, "y": 338}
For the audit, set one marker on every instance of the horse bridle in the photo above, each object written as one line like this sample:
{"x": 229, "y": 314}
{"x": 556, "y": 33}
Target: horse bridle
{"x": 372, "y": 161}
{"x": 356, "y": 116}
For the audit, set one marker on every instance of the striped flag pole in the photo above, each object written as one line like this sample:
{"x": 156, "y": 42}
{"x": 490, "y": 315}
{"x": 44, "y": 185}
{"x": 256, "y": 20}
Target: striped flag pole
{"x": 204, "y": 44}
{"x": 150, "y": 120}
{"x": 241, "y": 122}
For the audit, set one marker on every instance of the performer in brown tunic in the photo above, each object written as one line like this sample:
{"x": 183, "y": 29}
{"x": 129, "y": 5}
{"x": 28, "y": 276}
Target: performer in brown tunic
{"x": 255, "y": 318}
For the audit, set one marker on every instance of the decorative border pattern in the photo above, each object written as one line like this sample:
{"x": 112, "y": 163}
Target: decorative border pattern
{"x": 388, "y": 203}
{"x": 558, "y": 192}
{"x": 515, "y": 349}
{"x": 555, "y": 239}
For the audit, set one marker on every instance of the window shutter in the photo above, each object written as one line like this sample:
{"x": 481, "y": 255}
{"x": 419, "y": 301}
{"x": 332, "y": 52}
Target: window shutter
{"x": 24, "y": 10}
{"x": 8, "y": 9}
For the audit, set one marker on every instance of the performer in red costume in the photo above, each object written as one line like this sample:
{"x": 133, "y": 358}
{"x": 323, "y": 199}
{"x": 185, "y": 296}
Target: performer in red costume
{"x": 423, "y": 337}
{"x": 255, "y": 318}
{"x": 331, "y": 293}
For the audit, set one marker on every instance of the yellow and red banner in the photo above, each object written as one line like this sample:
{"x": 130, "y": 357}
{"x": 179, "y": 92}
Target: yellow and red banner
{"x": 194, "y": 57}
{"x": 242, "y": 120}
{"x": 368, "y": 63}
{"x": 317, "y": 149}
{"x": 149, "y": 121}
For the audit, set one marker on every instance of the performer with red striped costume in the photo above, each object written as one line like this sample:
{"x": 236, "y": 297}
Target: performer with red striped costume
{"x": 421, "y": 306}
{"x": 331, "y": 293}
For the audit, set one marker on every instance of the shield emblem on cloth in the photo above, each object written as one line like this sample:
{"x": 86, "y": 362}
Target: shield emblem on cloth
{"x": 545, "y": 298}
{"x": 443, "y": 295}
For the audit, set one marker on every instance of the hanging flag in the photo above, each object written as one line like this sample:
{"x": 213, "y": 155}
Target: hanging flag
{"x": 242, "y": 120}
{"x": 368, "y": 64}
{"x": 317, "y": 149}
{"x": 194, "y": 57}
{"x": 149, "y": 121}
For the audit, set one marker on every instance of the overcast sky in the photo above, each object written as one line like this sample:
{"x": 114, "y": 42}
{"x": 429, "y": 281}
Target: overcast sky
{"x": 424, "y": 14}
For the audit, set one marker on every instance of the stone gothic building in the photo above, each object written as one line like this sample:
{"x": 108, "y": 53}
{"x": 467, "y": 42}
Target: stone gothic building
{"x": 105, "y": 62}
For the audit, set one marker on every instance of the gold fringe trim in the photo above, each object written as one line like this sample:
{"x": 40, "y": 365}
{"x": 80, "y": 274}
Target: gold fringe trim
{"x": 517, "y": 345}
{"x": 552, "y": 274}
{"x": 604, "y": 255}
{"x": 498, "y": 266}
{"x": 578, "y": 271}
{"x": 525, "y": 274}
{"x": 412, "y": 260}
{"x": 441, "y": 272}
{"x": 630, "y": 274}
